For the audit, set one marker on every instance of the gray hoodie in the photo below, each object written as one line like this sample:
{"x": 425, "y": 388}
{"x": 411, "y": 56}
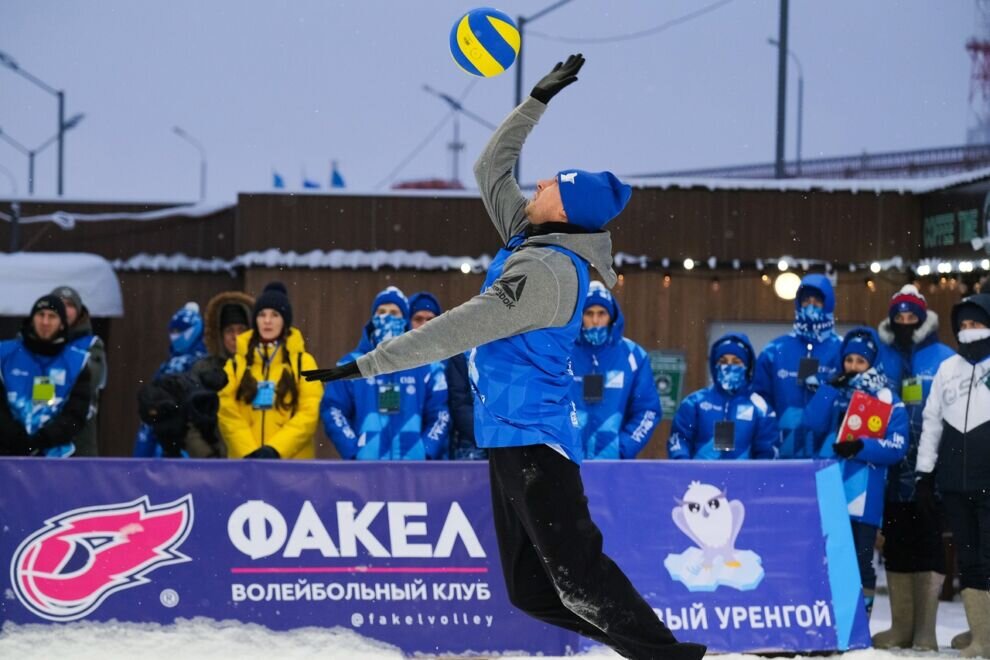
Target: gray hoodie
{"x": 550, "y": 292}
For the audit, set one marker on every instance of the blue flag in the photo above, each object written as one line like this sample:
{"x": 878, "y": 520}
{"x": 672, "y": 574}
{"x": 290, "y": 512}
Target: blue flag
{"x": 277, "y": 180}
{"x": 309, "y": 184}
{"x": 336, "y": 180}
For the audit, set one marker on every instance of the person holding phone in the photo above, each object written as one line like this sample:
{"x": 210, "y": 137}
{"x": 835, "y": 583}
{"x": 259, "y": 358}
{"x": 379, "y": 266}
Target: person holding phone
{"x": 617, "y": 401}
{"x": 726, "y": 420}
{"x": 792, "y": 366}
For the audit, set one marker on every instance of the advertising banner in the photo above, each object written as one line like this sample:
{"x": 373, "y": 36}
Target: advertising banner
{"x": 738, "y": 556}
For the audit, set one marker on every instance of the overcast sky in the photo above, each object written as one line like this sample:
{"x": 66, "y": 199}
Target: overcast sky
{"x": 291, "y": 86}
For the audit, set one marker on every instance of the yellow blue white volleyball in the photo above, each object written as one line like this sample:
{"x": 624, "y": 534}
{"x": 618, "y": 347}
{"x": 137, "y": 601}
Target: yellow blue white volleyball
{"x": 484, "y": 42}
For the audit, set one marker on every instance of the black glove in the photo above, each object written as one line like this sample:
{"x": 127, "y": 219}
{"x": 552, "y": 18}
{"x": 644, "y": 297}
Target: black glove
{"x": 842, "y": 379}
{"x": 348, "y": 370}
{"x": 924, "y": 495}
{"x": 265, "y": 451}
{"x": 562, "y": 75}
{"x": 848, "y": 449}
{"x": 213, "y": 379}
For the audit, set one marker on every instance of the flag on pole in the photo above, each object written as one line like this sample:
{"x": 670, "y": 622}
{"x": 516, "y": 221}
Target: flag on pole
{"x": 277, "y": 180}
{"x": 336, "y": 180}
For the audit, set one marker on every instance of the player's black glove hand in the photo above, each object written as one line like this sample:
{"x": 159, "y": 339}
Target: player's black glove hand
{"x": 842, "y": 379}
{"x": 924, "y": 495}
{"x": 848, "y": 449}
{"x": 562, "y": 75}
{"x": 265, "y": 451}
{"x": 348, "y": 370}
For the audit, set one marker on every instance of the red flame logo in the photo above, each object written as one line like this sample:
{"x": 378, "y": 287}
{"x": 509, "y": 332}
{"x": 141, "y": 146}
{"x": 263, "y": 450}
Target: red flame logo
{"x": 68, "y": 568}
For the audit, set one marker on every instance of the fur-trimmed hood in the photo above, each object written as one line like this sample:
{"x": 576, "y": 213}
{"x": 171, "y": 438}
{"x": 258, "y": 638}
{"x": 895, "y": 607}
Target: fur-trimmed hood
{"x": 925, "y": 330}
{"x": 212, "y": 334}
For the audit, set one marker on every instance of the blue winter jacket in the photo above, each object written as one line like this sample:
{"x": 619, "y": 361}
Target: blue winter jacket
{"x": 864, "y": 475}
{"x": 622, "y": 422}
{"x": 755, "y": 423}
{"x": 526, "y": 379}
{"x": 776, "y": 379}
{"x": 907, "y": 372}
{"x": 417, "y": 431}
{"x": 45, "y": 421}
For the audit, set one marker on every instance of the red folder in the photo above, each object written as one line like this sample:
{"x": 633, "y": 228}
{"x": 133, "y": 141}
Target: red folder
{"x": 866, "y": 417}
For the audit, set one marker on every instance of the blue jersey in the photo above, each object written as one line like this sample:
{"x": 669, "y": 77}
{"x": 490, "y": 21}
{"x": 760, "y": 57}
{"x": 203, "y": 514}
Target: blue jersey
{"x": 618, "y": 421}
{"x": 864, "y": 475}
{"x": 398, "y": 416}
{"x": 754, "y": 423}
{"x": 910, "y": 373}
{"x": 523, "y": 383}
{"x": 27, "y": 375}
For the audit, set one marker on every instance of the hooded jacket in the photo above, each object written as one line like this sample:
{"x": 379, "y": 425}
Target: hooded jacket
{"x": 621, "y": 422}
{"x": 245, "y": 429}
{"x": 526, "y": 320}
{"x": 213, "y": 333}
{"x": 864, "y": 475}
{"x": 955, "y": 434}
{"x": 776, "y": 374}
{"x": 754, "y": 422}
{"x": 416, "y": 428}
{"x": 910, "y": 373}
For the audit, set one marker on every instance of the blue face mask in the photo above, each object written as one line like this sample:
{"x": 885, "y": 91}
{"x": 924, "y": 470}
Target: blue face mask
{"x": 813, "y": 322}
{"x": 730, "y": 377}
{"x": 595, "y": 336}
{"x": 387, "y": 326}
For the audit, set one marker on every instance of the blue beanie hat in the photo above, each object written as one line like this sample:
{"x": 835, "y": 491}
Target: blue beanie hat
{"x": 591, "y": 199}
{"x": 860, "y": 343}
{"x": 599, "y": 295}
{"x": 731, "y": 346}
{"x": 424, "y": 300}
{"x": 187, "y": 317}
{"x": 391, "y": 295}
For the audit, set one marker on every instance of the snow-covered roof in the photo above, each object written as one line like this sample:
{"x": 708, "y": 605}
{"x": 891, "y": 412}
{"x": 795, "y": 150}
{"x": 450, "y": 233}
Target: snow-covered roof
{"x": 26, "y": 276}
{"x": 67, "y": 220}
{"x": 875, "y": 186}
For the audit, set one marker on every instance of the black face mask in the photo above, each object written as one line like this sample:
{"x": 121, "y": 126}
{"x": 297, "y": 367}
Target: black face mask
{"x": 904, "y": 334}
{"x": 975, "y": 351}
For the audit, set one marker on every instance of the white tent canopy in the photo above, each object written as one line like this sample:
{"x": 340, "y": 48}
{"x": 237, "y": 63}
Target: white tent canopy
{"x": 26, "y": 276}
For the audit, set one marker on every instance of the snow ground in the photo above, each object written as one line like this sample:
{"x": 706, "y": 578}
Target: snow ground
{"x": 209, "y": 640}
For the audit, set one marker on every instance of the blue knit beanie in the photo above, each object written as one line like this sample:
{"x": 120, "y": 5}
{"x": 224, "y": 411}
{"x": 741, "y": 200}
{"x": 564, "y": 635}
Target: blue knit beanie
{"x": 424, "y": 300}
{"x": 591, "y": 199}
{"x": 860, "y": 343}
{"x": 392, "y": 295}
{"x": 599, "y": 295}
{"x": 731, "y": 346}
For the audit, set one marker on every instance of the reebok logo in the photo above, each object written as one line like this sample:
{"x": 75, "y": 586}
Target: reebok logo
{"x": 509, "y": 289}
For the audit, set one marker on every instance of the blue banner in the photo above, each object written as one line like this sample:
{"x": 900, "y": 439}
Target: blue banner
{"x": 741, "y": 556}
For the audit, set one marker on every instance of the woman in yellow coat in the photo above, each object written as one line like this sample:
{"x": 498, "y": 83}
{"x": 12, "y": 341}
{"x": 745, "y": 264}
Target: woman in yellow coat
{"x": 267, "y": 410}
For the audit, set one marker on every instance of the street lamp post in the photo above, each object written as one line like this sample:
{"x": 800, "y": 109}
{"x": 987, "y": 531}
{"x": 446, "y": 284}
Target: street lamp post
{"x": 178, "y": 130}
{"x": 31, "y": 153}
{"x": 521, "y": 22}
{"x": 781, "y": 92}
{"x": 9, "y": 62}
{"x": 800, "y": 108}
{"x": 456, "y": 146}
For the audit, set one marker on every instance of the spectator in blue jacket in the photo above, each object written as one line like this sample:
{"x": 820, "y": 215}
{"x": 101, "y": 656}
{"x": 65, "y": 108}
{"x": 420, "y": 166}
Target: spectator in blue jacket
{"x": 185, "y": 347}
{"x": 397, "y": 416}
{"x": 864, "y": 459}
{"x": 912, "y": 550}
{"x": 813, "y": 345}
{"x": 751, "y": 425}
{"x": 423, "y": 308}
{"x": 45, "y": 385}
{"x": 617, "y": 402}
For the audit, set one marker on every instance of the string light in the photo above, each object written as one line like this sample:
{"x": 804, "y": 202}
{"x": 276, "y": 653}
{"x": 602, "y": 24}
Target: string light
{"x": 871, "y": 285}
{"x": 716, "y": 285}
{"x": 875, "y": 267}
{"x": 782, "y": 265}
{"x": 924, "y": 270}
{"x": 689, "y": 264}
{"x": 666, "y": 280}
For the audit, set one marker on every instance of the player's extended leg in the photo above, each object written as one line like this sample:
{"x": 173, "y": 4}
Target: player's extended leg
{"x": 526, "y": 579}
{"x": 547, "y": 495}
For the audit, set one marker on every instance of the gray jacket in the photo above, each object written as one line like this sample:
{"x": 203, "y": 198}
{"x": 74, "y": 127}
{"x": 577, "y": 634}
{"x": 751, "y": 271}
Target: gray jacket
{"x": 550, "y": 294}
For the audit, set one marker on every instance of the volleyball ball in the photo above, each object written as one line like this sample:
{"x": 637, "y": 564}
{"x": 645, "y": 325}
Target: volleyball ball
{"x": 484, "y": 42}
